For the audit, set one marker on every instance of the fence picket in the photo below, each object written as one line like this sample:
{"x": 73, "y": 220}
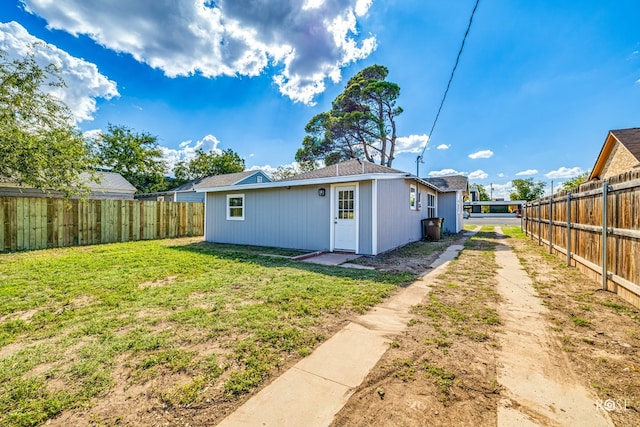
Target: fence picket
{"x": 28, "y": 223}
{"x": 602, "y": 231}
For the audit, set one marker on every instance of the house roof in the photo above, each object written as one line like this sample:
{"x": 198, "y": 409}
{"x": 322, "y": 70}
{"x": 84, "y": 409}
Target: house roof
{"x": 108, "y": 182}
{"x": 215, "y": 181}
{"x": 629, "y": 138}
{"x": 450, "y": 183}
{"x": 347, "y": 168}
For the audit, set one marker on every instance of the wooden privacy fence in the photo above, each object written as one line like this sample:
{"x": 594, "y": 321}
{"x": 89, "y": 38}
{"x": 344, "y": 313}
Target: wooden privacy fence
{"x": 571, "y": 224}
{"x": 28, "y": 223}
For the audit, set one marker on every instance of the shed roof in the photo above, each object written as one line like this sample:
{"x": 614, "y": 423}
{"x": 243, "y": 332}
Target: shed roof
{"x": 450, "y": 183}
{"x": 347, "y": 171}
{"x": 346, "y": 168}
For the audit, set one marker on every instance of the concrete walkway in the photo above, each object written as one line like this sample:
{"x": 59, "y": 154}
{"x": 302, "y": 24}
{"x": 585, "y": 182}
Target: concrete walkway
{"x": 539, "y": 389}
{"x": 316, "y": 388}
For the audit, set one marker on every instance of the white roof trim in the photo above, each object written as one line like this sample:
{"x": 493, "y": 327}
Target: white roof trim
{"x": 313, "y": 181}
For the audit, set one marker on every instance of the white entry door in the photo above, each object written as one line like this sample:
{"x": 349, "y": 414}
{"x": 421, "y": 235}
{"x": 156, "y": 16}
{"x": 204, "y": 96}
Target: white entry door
{"x": 344, "y": 218}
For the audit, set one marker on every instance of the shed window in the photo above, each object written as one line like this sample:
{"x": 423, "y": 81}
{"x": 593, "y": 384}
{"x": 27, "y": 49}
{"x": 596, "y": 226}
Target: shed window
{"x": 259, "y": 179}
{"x": 413, "y": 199}
{"x": 235, "y": 207}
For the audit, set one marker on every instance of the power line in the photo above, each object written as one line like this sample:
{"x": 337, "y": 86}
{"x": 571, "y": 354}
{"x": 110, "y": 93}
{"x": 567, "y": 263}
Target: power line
{"x": 464, "y": 39}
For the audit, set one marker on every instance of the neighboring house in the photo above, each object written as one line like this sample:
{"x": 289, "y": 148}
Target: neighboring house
{"x": 451, "y": 200}
{"x": 188, "y": 192}
{"x": 353, "y": 206}
{"x": 110, "y": 185}
{"x": 620, "y": 153}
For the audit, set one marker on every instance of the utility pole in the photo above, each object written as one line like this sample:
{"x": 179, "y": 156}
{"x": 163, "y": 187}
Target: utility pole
{"x": 491, "y": 197}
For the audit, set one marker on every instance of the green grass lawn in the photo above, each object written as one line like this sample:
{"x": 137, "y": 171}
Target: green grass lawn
{"x": 225, "y": 317}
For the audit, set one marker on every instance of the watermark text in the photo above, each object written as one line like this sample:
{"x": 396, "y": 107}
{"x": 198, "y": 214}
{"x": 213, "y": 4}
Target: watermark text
{"x": 611, "y": 405}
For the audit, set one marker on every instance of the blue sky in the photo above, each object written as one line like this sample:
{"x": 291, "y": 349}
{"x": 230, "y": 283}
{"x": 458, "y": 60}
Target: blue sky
{"x": 538, "y": 86}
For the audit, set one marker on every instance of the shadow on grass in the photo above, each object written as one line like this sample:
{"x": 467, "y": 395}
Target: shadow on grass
{"x": 278, "y": 258}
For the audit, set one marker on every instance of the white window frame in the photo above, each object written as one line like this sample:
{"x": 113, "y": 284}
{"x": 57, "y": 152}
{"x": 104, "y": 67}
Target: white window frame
{"x": 431, "y": 208}
{"x": 259, "y": 179}
{"x": 229, "y": 207}
{"x": 413, "y": 197}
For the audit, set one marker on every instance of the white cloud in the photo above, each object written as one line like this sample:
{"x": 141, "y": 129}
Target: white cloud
{"x": 527, "y": 172}
{"x": 500, "y": 191}
{"x": 501, "y": 175}
{"x": 84, "y": 83}
{"x": 443, "y": 147}
{"x": 187, "y": 152}
{"x": 478, "y": 174}
{"x": 565, "y": 172}
{"x": 484, "y": 154}
{"x": 411, "y": 143}
{"x": 445, "y": 172}
{"x": 304, "y": 43}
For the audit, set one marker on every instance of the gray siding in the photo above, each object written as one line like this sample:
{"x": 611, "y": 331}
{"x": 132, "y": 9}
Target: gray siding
{"x": 398, "y": 224}
{"x": 294, "y": 218}
{"x": 448, "y": 209}
{"x": 189, "y": 196}
{"x": 365, "y": 244}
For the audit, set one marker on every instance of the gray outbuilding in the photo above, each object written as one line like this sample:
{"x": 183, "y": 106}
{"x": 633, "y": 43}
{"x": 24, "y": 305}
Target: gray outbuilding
{"x": 353, "y": 206}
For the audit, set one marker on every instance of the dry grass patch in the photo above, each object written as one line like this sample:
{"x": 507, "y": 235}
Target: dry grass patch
{"x": 598, "y": 331}
{"x": 441, "y": 370}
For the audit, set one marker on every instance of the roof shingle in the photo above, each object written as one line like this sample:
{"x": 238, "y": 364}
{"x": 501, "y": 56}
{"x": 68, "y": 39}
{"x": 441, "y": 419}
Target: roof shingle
{"x": 449, "y": 183}
{"x": 630, "y": 138}
{"x": 349, "y": 167}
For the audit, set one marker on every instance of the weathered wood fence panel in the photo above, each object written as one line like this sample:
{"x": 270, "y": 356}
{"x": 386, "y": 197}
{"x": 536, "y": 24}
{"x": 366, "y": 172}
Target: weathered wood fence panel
{"x": 28, "y": 223}
{"x": 571, "y": 224}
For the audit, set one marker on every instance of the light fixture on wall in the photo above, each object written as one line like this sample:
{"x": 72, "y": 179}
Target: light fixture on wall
{"x": 321, "y": 192}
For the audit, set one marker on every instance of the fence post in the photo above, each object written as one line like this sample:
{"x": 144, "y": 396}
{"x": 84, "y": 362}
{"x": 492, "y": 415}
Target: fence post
{"x": 551, "y": 225}
{"x": 568, "y": 229}
{"x": 605, "y": 193}
{"x": 539, "y": 222}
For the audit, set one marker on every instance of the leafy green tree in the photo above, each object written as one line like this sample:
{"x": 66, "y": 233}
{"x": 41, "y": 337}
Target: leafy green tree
{"x": 40, "y": 145}
{"x": 574, "y": 182}
{"x": 284, "y": 172}
{"x": 360, "y": 124}
{"x": 482, "y": 192}
{"x": 135, "y": 156}
{"x": 208, "y": 164}
{"x": 527, "y": 189}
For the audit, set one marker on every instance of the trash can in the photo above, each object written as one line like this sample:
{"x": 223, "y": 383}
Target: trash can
{"x": 431, "y": 228}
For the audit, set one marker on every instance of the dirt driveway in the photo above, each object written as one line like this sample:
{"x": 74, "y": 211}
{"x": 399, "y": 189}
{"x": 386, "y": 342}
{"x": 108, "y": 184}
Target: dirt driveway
{"x": 488, "y": 348}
